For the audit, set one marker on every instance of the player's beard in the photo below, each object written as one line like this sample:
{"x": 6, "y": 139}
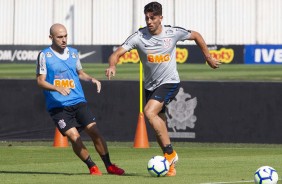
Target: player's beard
{"x": 59, "y": 47}
{"x": 63, "y": 46}
{"x": 154, "y": 29}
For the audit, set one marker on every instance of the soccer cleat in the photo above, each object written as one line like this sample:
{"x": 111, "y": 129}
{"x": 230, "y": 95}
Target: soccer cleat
{"x": 114, "y": 169}
{"x": 95, "y": 171}
{"x": 172, "y": 159}
{"x": 171, "y": 171}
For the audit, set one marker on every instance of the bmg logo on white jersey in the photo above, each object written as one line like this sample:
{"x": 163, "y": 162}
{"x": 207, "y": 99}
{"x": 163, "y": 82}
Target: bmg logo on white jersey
{"x": 158, "y": 58}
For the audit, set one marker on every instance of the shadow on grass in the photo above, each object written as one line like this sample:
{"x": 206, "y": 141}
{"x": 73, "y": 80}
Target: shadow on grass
{"x": 134, "y": 174}
{"x": 38, "y": 172}
{"x": 66, "y": 174}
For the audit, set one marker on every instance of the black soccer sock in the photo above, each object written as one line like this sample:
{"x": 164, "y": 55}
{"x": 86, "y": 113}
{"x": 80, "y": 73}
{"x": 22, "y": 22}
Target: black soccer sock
{"x": 106, "y": 159}
{"x": 89, "y": 162}
{"x": 168, "y": 149}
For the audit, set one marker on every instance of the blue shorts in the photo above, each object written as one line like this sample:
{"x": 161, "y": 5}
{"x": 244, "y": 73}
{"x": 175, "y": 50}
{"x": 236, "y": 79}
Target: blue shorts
{"x": 78, "y": 116}
{"x": 164, "y": 93}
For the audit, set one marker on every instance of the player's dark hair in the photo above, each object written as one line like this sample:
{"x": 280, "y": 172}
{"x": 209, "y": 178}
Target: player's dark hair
{"x": 154, "y": 7}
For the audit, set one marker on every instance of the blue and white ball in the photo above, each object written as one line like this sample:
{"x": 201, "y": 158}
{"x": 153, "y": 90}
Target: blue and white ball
{"x": 266, "y": 175}
{"x": 158, "y": 166}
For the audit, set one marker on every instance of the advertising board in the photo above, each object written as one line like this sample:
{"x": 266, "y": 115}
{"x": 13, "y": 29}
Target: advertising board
{"x": 263, "y": 54}
{"x": 29, "y": 53}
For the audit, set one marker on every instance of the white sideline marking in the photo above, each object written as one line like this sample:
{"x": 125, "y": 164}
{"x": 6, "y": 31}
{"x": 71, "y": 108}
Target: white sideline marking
{"x": 230, "y": 182}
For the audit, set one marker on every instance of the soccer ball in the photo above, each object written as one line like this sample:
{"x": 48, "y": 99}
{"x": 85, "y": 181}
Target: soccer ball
{"x": 266, "y": 175}
{"x": 158, "y": 166}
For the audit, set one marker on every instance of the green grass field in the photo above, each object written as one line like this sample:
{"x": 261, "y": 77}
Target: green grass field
{"x": 194, "y": 72}
{"x": 200, "y": 163}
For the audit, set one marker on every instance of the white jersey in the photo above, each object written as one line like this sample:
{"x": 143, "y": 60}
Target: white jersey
{"x": 158, "y": 54}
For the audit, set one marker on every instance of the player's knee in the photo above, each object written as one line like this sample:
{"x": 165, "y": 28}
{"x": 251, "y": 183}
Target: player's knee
{"x": 92, "y": 130}
{"x": 73, "y": 136}
{"x": 149, "y": 113}
{"x": 91, "y": 125}
{"x": 146, "y": 112}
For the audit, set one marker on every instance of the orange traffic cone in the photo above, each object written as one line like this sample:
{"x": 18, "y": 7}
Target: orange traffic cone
{"x": 60, "y": 140}
{"x": 141, "y": 137}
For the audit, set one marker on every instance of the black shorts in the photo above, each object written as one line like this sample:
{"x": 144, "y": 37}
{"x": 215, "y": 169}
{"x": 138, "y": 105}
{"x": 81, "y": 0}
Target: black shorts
{"x": 164, "y": 93}
{"x": 78, "y": 116}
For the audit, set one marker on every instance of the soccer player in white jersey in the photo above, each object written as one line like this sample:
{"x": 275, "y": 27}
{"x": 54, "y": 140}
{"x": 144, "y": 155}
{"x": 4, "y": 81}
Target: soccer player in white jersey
{"x": 59, "y": 72}
{"x": 156, "y": 45}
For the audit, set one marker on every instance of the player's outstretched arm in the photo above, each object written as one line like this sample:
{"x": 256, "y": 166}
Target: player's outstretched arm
{"x": 84, "y": 76}
{"x": 197, "y": 37}
{"x": 113, "y": 60}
